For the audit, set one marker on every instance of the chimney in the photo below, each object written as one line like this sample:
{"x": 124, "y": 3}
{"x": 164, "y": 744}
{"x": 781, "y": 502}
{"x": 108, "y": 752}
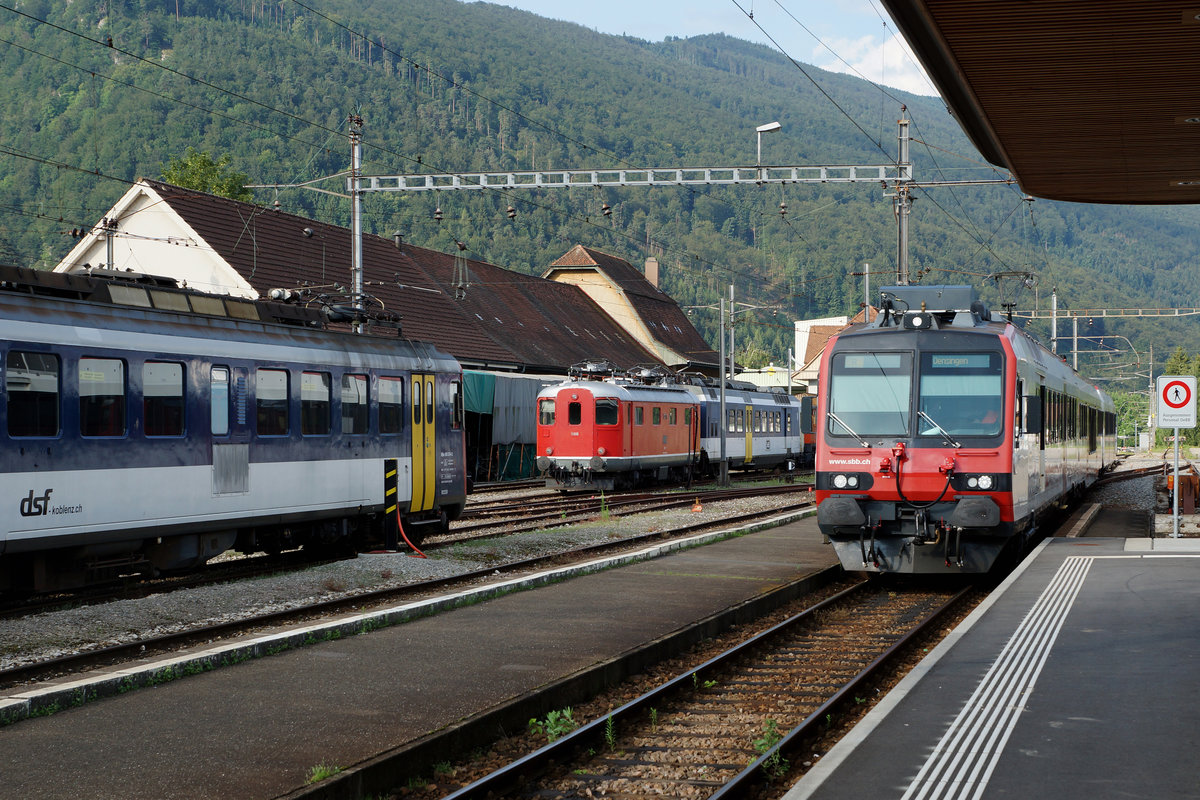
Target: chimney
{"x": 652, "y": 271}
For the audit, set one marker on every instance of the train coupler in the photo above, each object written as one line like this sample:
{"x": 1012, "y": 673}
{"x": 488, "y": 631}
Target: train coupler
{"x": 870, "y": 556}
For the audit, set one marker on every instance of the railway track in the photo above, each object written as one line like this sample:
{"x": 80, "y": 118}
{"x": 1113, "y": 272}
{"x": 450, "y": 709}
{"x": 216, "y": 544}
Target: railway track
{"x": 149, "y": 646}
{"x": 738, "y": 721}
{"x": 533, "y": 516}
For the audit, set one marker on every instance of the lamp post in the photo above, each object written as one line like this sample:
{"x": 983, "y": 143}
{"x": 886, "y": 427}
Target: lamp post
{"x": 770, "y": 127}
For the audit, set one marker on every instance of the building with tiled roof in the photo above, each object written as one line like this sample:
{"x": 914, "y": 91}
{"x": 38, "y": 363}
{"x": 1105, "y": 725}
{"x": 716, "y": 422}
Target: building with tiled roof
{"x": 491, "y": 319}
{"x": 638, "y": 305}
{"x": 502, "y": 320}
{"x": 811, "y": 337}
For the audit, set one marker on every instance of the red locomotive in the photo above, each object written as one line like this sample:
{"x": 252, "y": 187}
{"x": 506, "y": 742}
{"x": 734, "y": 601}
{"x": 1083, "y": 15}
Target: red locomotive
{"x": 616, "y": 433}
{"x": 946, "y": 435}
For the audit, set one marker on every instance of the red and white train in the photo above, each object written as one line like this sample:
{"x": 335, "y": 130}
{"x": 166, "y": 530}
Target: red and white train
{"x": 946, "y": 435}
{"x": 616, "y": 433}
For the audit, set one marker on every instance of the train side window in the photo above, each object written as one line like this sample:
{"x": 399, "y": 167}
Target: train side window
{"x": 656, "y": 416}
{"x": 391, "y": 404}
{"x": 638, "y": 415}
{"x": 101, "y": 396}
{"x": 219, "y": 400}
{"x": 546, "y": 411}
{"x": 356, "y": 419}
{"x": 315, "y": 402}
{"x": 606, "y": 411}
{"x": 672, "y": 416}
{"x": 429, "y": 402}
{"x": 271, "y": 401}
{"x": 687, "y": 417}
{"x": 31, "y": 384}
{"x": 162, "y": 398}
{"x": 574, "y": 413}
{"x": 416, "y": 403}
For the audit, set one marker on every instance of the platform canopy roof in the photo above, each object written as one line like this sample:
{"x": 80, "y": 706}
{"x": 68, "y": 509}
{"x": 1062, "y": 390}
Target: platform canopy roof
{"x": 1095, "y": 102}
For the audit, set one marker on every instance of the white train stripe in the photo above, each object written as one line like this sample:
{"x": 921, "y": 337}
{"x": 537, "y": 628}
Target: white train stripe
{"x": 962, "y": 763}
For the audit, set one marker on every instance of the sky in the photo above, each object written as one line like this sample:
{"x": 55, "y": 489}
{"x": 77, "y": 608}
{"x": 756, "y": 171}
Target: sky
{"x": 861, "y": 36}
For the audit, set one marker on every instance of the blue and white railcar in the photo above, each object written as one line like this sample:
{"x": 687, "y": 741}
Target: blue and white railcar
{"x": 133, "y": 438}
{"x": 763, "y": 429}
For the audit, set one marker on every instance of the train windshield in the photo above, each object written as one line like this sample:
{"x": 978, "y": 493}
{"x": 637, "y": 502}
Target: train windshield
{"x": 870, "y": 394}
{"x": 961, "y": 394}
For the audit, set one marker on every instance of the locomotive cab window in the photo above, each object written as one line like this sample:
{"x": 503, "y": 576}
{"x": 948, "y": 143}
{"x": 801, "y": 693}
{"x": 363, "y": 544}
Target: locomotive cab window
{"x": 961, "y": 394}
{"x": 162, "y": 398}
{"x": 574, "y": 413}
{"x": 355, "y": 417}
{"x": 546, "y": 411}
{"x": 870, "y": 394}
{"x": 606, "y": 411}
{"x": 31, "y": 384}
{"x": 101, "y": 397}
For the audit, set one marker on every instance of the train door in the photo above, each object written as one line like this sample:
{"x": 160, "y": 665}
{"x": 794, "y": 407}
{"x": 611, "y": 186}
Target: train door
{"x": 229, "y": 428}
{"x": 750, "y": 426}
{"x": 424, "y": 444}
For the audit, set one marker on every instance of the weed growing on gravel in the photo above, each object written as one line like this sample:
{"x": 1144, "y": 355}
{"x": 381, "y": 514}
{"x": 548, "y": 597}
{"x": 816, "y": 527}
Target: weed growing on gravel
{"x": 776, "y": 766}
{"x": 610, "y": 734}
{"x": 556, "y": 724}
{"x": 654, "y": 720}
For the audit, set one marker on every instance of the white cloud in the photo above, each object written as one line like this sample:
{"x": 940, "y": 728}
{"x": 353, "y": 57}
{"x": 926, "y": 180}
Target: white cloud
{"x": 888, "y": 63}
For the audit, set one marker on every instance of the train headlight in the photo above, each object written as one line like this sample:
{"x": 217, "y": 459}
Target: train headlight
{"x": 984, "y": 482}
{"x": 839, "y": 481}
{"x": 852, "y": 481}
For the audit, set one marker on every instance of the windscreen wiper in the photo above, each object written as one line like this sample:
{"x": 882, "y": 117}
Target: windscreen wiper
{"x": 945, "y": 433}
{"x": 838, "y": 420}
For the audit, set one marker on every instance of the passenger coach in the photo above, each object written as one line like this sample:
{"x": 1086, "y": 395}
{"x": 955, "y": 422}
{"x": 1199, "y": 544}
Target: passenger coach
{"x": 150, "y": 429}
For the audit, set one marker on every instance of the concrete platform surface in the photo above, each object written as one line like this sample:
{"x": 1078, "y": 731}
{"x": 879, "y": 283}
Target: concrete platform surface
{"x": 1078, "y": 679}
{"x": 256, "y": 729}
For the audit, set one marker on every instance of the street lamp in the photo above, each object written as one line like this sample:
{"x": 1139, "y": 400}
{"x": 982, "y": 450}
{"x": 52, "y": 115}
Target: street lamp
{"x": 770, "y": 127}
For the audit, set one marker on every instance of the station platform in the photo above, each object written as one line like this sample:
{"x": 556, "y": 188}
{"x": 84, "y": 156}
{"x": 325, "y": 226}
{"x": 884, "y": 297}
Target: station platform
{"x": 256, "y": 729}
{"x": 1077, "y": 678}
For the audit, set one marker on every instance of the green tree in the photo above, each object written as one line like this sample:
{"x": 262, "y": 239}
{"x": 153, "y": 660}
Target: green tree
{"x": 197, "y": 170}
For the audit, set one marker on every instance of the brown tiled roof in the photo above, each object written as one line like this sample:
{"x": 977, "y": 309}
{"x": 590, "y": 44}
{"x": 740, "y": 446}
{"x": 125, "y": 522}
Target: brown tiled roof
{"x": 505, "y": 319}
{"x": 664, "y": 318}
{"x": 818, "y": 335}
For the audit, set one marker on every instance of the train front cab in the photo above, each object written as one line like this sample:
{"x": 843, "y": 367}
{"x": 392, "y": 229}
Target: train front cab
{"x": 578, "y": 431}
{"x": 914, "y": 461}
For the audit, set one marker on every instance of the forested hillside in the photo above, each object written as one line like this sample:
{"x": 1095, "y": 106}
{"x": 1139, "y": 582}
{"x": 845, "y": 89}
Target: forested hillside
{"x": 101, "y": 92}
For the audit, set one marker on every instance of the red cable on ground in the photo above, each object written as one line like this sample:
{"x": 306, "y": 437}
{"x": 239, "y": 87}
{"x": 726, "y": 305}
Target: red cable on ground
{"x": 404, "y": 536}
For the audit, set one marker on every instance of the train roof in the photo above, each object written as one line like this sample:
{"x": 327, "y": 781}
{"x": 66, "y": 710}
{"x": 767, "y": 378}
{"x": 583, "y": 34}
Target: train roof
{"x": 132, "y": 306}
